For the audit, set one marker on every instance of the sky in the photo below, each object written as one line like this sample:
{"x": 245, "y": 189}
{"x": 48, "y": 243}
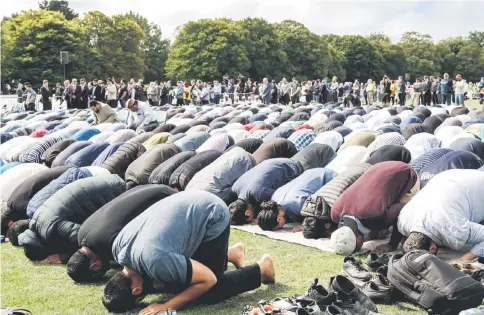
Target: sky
{"x": 441, "y": 19}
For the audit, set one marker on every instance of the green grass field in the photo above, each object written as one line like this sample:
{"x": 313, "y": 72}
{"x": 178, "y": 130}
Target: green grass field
{"x": 48, "y": 290}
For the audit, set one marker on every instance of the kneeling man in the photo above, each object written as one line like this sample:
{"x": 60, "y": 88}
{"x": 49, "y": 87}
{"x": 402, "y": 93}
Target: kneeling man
{"x": 181, "y": 242}
{"x": 448, "y": 212}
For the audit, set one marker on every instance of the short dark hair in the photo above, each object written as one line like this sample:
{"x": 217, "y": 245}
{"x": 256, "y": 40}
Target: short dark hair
{"x": 35, "y": 253}
{"x": 78, "y": 268}
{"x": 237, "y": 212}
{"x": 117, "y": 295}
{"x": 267, "y": 218}
{"x": 92, "y": 103}
{"x": 417, "y": 240}
{"x": 316, "y": 227}
{"x": 15, "y": 230}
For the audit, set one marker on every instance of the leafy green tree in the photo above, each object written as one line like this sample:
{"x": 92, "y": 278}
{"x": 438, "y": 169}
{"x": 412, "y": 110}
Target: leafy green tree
{"x": 32, "y": 41}
{"x": 59, "y": 6}
{"x": 477, "y": 37}
{"x": 379, "y": 38}
{"x": 264, "y": 49}
{"x": 208, "y": 49}
{"x": 470, "y": 62}
{"x": 154, "y": 48}
{"x": 421, "y": 53}
{"x": 394, "y": 61}
{"x": 363, "y": 60}
{"x": 115, "y": 44}
{"x": 307, "y": 54}
{"x": 336, "y": 64}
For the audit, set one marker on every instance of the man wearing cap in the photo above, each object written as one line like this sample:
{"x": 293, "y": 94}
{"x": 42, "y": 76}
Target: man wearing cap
{"x": 141, "y": 113}
{"x": 371, "y": 205}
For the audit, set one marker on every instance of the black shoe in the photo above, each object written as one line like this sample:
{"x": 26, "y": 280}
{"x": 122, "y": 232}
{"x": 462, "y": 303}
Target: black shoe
{"x": 375, "y": 261}
{"x": 377, "y": 293}
{"x": 310, "y": 306}
{"x": 318, "y": 293}
{"x": 347, "y": 290}
{"x": 358, "y": 282}
{"x": 335, "y": 310}
{"x": 383, "y": 282}
{"x": 383, "y": 270}
{"x": 353, "y": 268}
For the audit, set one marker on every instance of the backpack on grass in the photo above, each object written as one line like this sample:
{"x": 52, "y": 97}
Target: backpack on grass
{"x": 433, "y": 284}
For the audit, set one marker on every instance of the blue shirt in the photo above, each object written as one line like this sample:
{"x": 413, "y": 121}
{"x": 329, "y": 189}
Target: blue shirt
{"x": 260, "y": 183}
{"x": 159, "y": 242}
{"x": 444, "y": 86}
{"x": 292, "y": 195}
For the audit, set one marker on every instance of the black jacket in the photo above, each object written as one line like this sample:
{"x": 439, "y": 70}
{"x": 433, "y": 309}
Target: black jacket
{"x": 100, "y": 229}
{"x": 84, "y": 96}
{"x": 183, "y": 174}
{"x": 119, "y": 161}
{"x": 17, "y": 203}
{"x": 162, "y": 174}
{"x": 98, "y": 93}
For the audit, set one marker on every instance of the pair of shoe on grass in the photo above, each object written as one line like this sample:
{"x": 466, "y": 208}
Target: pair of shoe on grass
{"x": 376, "y": 287}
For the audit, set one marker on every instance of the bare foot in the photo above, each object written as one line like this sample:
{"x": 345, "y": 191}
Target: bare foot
{"x": 236, "y": 255}
{"x": 267, "y": 270}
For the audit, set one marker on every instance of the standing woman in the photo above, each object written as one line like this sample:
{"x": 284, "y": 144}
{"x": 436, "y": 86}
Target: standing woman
{"x": 304, "y": 92}
{"x": 295, "y": 92}
{"x": 187, "y": 95}
{"x": 20, "y": 93}
{"x": 285, "y": 90}
{"x": 459, "y": 90}
{"x": 111, "y": 93}
{"x": 393, "y": 91}
{"x": 309, "y": 91}
{"x": 255, "y": 91}
{"x": 370, "y": 92}
{"x": 150, "y": 92}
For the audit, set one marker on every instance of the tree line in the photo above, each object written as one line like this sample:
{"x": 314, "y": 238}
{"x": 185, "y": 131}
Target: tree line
{"x": 129, "y": 46}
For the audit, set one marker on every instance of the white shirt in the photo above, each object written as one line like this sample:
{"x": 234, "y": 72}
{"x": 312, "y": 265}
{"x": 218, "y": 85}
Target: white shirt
{"x": 143, "y": 116}
{"x": 448, "y": 210}
{"x": 460, "y": 86}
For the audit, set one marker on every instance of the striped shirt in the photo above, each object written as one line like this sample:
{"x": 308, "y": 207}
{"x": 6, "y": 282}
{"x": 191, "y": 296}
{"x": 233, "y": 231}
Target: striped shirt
{"x": 428, "y": 158}
{"x": 34, "y": 154}
{"x": 393, "y": 138}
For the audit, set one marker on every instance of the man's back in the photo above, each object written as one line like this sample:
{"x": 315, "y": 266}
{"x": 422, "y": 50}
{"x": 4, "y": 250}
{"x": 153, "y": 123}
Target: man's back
{"x": 159, "y": 241}
{"x": 445, "y": 219}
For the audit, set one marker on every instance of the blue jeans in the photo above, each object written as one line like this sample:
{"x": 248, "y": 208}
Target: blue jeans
{"x": 446, "y": 98}
{"x": 459, "y": 99}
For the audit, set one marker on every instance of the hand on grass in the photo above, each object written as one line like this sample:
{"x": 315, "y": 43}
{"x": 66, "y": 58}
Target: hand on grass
{"x": 384, "y": 248}
{"x": 152, "y": 309}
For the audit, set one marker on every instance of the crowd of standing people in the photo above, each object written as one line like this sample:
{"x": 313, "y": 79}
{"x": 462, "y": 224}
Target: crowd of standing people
{"x": 426, "y": 91}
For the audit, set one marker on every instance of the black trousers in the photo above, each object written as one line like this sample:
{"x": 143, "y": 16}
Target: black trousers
{"x": 213, "y": 254}
{"x": 401, "y": 99}
{"x": 112, "y": 103}
{"x": 426, "y": 97}
{"x": 435, "y": 98}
